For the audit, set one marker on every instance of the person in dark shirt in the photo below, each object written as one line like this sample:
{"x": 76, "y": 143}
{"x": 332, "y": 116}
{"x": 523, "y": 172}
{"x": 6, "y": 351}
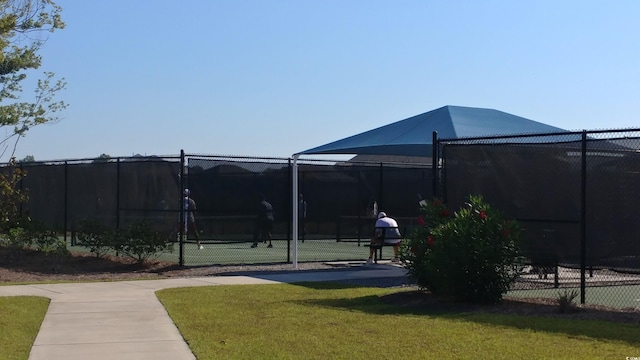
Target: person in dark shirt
{"x": 265, "y": 222}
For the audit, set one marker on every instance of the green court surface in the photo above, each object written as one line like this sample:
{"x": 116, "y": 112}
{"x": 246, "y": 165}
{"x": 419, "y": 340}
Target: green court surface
{"x": 224, "y": 253}
{"x": 282, "y": 251}
{"x": 615, "y": 296}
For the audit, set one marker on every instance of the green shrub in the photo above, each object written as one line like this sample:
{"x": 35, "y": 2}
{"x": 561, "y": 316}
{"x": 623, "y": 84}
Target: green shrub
{"x": 141, "y": 242}
{"x": 565, "y": 301}
{"x": 469, "y": 255}
{"x": 13, "y": 242}
{"x": 26, "y": 234}
{"x": 15, "y": 233}
{"x": 48, "y": 242}
{"x": 96, "y": 237}
{"x": 15, "y": 238}
{"x": 417, "y": 247}
{"x": 41, "y": 238}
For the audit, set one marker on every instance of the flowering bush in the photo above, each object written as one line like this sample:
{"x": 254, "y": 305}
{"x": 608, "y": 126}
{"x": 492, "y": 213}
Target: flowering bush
{"x": 468, "y": 255}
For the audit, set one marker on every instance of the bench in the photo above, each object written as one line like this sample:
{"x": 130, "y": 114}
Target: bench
{"x": 379, "y": 235}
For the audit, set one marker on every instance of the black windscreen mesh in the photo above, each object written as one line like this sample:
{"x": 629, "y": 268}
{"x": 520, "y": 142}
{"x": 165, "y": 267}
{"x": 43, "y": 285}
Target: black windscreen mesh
{"x": 92, "y": 193}
{"x": 338, "y": 196}
{"x": 540, "y": 185}
{"x": 47, "y": 189}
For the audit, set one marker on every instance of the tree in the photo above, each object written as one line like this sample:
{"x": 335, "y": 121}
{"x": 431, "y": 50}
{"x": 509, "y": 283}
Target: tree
{"x": 103, "y": 158}
{"x": 10, "y": 195}
{"x": 28, "y": 159}
{"x": 23, "y": 28}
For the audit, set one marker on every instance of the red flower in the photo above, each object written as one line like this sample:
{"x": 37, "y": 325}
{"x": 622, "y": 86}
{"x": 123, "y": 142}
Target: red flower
{"x": 420, "y": 221}
{"x": 414, "y": 250}
{"x": 483, "y": 215}
{"x": 437, "y": 203}
{"x": 444, "y": 213}
{"x": 505, "y": 232}
{"x": 430, "y": 240}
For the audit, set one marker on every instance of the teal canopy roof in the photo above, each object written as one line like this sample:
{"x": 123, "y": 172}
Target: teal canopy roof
{"x": 413, "y": 136}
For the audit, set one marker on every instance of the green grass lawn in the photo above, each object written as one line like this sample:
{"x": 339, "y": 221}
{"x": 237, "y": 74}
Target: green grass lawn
{"x": 20, "y": 319}
{"x": 329, "y": 321}
{"x": 332, "y": 321}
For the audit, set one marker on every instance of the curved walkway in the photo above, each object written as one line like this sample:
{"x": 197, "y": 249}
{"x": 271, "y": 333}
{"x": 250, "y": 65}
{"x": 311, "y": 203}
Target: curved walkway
{"x": 125, "y": 319}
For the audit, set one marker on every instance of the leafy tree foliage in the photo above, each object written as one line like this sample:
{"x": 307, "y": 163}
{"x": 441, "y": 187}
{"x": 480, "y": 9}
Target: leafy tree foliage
{"x": 10, "y": 194}
{"x": 103, "y": 158}
{"x": 28, "y": 159}
{"x": 23, "y": 28}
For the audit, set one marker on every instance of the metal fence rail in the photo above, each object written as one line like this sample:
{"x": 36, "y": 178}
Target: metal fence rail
{"x": 574, "y": 193}
{"x": 118, "y": 192}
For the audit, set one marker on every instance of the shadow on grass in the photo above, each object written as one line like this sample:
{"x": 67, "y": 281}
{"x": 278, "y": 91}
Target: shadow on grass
{"x": 510, "y": 313}
{"x": 385, "y": 282}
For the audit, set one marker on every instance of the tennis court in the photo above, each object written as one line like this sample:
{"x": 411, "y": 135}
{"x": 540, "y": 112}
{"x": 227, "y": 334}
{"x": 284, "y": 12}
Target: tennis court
{"x": 602, "y": 287}
{"x": 615, "y": 296}
{"x": 282, "y": 251}
{"x": 240, "y": 252}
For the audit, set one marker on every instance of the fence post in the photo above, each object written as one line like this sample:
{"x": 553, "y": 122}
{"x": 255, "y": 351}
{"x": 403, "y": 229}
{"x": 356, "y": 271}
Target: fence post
{"x": 292, "y": 200}
{"x": 359, "y": 211}
{"x": 66, "y": 204}
{"x": 434, "y": 163}
{"x": 583, "y": 218}
{"x": 181, "y": 220}
{"x": 118, "y": 210}
{"x": 381, "y": 188}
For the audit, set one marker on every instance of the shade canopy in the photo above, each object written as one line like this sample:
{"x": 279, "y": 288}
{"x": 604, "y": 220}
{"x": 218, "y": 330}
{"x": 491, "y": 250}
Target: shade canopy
{"x": 413, "y": 136}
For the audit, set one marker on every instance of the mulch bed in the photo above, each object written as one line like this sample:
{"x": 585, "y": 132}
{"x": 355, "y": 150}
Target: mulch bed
{"x": 28, "y": 265}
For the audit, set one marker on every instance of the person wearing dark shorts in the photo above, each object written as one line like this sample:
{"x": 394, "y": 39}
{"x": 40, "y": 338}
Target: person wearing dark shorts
{"x": 265, "y": 222}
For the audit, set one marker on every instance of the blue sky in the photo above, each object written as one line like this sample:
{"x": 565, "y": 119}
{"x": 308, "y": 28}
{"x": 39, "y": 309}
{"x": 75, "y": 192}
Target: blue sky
{"x": 272, "y": 78}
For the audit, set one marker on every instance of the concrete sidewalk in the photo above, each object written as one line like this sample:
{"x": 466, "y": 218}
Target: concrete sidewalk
{"x": 125, "y": 320}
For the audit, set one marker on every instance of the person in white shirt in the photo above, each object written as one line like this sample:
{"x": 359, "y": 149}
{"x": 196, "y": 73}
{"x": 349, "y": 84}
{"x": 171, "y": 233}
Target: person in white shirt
{"x": 386, "y": 229}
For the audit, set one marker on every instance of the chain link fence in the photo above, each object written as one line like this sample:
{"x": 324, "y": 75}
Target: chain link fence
{"x": 574, "y": 194}
{"x": 115, "y": 192}
{"x": 338, "y": 199}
